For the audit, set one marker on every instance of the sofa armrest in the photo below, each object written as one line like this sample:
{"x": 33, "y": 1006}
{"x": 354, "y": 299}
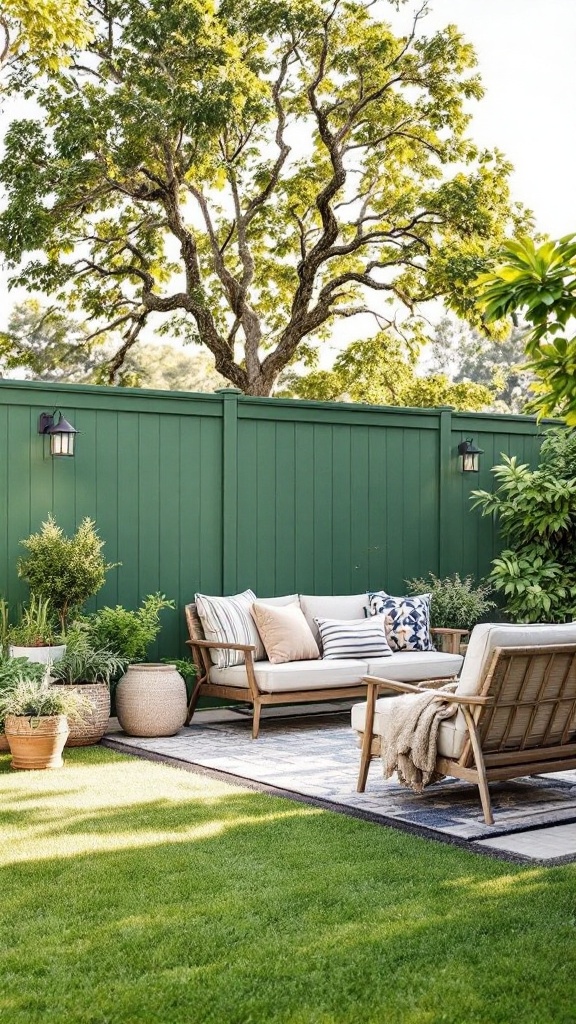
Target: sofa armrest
{"x": 452, "y": 638}
{"x": 221, "y": 645}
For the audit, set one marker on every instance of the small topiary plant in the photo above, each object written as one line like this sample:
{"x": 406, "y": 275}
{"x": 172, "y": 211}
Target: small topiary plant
{"x": 67, "y": 570}
{"x": 457, "y": 603}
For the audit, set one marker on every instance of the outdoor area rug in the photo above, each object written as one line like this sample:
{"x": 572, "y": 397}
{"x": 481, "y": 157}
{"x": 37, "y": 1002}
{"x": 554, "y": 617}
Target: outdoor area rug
{"x": 316, "y": 756}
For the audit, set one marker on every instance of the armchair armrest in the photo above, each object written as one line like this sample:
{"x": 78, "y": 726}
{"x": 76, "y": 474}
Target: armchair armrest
{"x": 375, "y": 683}
{"x": 378, "y": 682}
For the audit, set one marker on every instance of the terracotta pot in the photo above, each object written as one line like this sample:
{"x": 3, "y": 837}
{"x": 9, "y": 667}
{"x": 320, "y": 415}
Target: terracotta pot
{"x": 151, "y": 700}
{"x": 36, "y": 742}
{"x": 3, "y": 743}
{"x": 43, "y": 655}
{"x": 92, "y": 728}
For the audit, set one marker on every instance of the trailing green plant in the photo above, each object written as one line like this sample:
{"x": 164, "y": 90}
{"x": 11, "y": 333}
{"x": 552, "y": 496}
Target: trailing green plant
{"x": 84, "y": 663}
{"x": 457, "y": 602}
{"x": 36, "y": 627}
{"x": 536, "y": 514}
{"x": 36, "y": 697}
{"x": 128, "y": 634}
{"x": 68, "y": 570}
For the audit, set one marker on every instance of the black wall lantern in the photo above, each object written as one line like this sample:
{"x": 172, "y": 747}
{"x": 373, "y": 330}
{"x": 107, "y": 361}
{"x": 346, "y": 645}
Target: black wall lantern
{"x": 61, "y": 434}
{"x": 469, "y": 453}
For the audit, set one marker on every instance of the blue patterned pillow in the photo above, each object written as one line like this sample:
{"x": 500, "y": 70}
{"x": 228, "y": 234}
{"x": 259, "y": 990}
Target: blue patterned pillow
{"x": 406, "y": 620}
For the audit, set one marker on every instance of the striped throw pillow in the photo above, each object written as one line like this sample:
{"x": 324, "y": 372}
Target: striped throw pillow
{"x": 228, "y": 620}
{"x": 353, "y": 638}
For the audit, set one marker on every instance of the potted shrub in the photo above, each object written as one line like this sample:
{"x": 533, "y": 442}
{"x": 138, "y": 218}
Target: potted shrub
{"x": 66, "y": 570}
{"x": 11, "y": 671}
{"x": 35, "y": 637}
{"x": 457, "y": 603}
{"x": 150, "y": 698}
{"x": 36, "y": 721}
{"x": 88, "y": 671}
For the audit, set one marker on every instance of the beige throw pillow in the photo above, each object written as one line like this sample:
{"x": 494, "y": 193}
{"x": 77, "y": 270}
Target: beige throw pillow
{"x": 285, "y": 633}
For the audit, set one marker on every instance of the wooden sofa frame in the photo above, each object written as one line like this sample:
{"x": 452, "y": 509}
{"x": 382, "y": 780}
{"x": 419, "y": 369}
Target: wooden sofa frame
{"x": 508, "y": 735}
{"x": 250, "y": 693}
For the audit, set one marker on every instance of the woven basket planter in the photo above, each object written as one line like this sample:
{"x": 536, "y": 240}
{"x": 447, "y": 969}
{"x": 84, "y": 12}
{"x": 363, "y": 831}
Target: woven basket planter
{"x": 36, "y": 742}
{"x": 151, "y": 700}
{"x": 92, "y": 728}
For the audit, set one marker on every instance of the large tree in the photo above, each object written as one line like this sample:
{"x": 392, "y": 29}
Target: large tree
{"x": 251, "y": 171}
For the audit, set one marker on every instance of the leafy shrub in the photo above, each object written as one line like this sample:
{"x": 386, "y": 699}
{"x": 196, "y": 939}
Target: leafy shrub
{"x": 83, "y": 663}
{"x": 558, "y": 453}
{"x": 128, "y": 634}
{"x": 536, "y": 512}
{"x": 456, "y": 603}
{"x": 68, "y": 570}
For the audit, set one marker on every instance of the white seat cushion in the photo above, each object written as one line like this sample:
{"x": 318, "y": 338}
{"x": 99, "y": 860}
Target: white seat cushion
{"x": 448, "y": 739}
{"x": 413, "y": 666}
{"x": 294, "y": 675}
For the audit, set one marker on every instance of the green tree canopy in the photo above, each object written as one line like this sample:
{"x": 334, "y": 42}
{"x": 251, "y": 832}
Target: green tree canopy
{"x": 46, "y": 343}
{"x": 249, "y": 172}
{"x": 379, "y": 371}
{"x": 467, "y": 355}
{"x": 43, "y": 31}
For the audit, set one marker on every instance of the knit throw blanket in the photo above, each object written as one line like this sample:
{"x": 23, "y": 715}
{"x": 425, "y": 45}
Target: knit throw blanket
{"x": 409, "y": 737}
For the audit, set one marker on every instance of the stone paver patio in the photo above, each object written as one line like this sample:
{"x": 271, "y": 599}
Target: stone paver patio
{"x": 311, "y": 754}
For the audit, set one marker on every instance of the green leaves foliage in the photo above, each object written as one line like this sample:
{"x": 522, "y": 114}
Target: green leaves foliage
{"x": 539, "y": 281}
{"x": 66, "y": 570}
{"x": 536, "y": 513}
{"x": 128, "y": 634}
{"x": 379, "y": 371}
{"x": 457, "y": 602}
{"x": 251, "y": 172}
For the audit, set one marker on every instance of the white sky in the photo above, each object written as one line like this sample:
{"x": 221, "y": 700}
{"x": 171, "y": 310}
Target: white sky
{"x": 527, "y": 59}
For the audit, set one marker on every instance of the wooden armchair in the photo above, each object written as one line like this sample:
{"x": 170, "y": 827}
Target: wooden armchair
{"x": 521, "y": 721}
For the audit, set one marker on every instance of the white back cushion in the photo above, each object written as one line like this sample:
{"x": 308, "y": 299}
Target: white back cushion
{"x": 346, "y": 607}
{"x": 488, "y": 635}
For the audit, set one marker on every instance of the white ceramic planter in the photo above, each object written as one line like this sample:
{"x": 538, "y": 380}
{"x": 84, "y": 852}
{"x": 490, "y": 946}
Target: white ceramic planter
{"x": 41, "y": 655}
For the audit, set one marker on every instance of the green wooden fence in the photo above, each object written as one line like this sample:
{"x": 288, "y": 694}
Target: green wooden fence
{"x": 221, "y": 492}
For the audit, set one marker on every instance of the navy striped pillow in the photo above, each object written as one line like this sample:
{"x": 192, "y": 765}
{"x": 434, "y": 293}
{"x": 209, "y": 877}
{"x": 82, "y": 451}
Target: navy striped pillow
{"x": 353, "y": 638}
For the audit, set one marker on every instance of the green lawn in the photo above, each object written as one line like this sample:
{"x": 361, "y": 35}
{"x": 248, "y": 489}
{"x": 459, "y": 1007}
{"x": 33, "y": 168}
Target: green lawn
{"x": 134, "y": 892}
